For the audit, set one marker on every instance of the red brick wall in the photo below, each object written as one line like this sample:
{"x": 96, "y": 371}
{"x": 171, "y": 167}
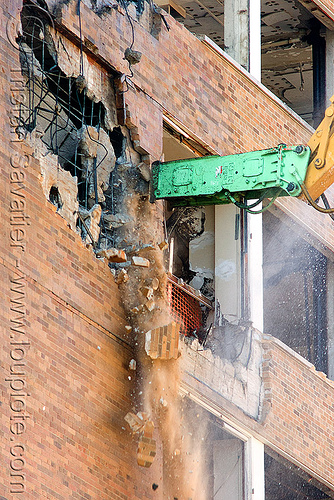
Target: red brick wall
{"x": 301, "y": 417}
{"x": 202, "y": 89}
{"x": 73, "y": 384}
{"x": 74, "y": 443}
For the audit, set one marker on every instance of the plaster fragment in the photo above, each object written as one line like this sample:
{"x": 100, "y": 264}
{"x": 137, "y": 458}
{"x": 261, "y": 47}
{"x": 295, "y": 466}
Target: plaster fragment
{"x": 140, "y": 261}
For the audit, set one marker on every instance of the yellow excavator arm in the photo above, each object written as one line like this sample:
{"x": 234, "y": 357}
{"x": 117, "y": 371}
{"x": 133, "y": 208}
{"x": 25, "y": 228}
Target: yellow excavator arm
{"x": 320, "y": 171}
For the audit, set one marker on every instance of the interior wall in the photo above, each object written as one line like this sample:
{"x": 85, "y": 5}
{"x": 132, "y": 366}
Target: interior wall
{"x": 228, "y": 469}
{"x": 227, "y": 261}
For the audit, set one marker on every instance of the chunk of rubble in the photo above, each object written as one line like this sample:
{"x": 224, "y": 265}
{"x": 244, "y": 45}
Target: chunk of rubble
{"x": 137, "y": 421}
{"x": 113, "y": 255}
{"x": 163, "y": 245}
{"x": 155, "y": 283}
{"x": 91, "y": 219}
{"x": 150, "y": 305}
{"x": 163, "y": 342}
{"x": 140, "y": 261}
{"x": 147, "y": 291}
{"x": 140, "y": 424}
{"x": 147, "y": 449}
{"x": 137, "y": 309}
{"x": 132, "y": 365}
{"x": 122, "y": 277}
{"x": 145, "y": 171}
{"x": 115, "y": 220}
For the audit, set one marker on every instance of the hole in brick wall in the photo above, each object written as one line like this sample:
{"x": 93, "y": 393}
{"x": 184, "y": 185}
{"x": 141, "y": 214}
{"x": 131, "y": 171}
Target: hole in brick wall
{"x": 66, "y": 119}
{"x": 118, "y": 141}
{"x": 55, "y": 198}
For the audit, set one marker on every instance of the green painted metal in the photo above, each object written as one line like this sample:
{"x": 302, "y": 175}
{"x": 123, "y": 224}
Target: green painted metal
{"x": 212, "y": 180}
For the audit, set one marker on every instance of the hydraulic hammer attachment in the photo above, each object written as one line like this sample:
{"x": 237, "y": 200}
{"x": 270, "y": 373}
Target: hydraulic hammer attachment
{"x": 213, "y": 180}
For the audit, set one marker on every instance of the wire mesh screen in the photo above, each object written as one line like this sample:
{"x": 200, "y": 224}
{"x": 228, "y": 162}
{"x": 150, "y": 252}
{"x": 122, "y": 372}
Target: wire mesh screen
{"x": 184, "y": 309}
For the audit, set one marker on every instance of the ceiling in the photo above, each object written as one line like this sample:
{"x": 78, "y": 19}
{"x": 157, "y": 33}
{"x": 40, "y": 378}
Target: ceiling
{"x": 286, "y": 55}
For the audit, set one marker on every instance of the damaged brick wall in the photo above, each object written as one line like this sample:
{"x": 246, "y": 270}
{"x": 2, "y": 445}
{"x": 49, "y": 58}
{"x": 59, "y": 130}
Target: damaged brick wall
{"x": 296, "y": 416}
{"x": 60, "y": 267}
{"x": 75, "y": 370}
{"x": 242, "y": 116}
{"x": 230, "y": 364}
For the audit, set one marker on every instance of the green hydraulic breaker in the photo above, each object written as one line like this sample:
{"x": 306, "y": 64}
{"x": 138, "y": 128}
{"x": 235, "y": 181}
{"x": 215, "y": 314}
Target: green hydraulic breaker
{"x": 214, "y": 180}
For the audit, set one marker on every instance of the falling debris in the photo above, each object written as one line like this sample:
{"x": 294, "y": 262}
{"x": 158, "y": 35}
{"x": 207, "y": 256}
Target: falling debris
{"x": 163, "y": 245}
{"x": 132, "y": 364}
{"x": 147, "y": 291}
{"x": 122, "y": 277}
{"x": 140, "y": 424}
{"x": 140, "y": 261}
{"x": 147, "y": 449}
{"x": 150, "y": 305}
{"x": 137, "y": 421}
{"x": 137, "y": 309}
{"x": 113, "y": 255}
{"x": 163, "y": 342}
{"x": 155, "y": 283}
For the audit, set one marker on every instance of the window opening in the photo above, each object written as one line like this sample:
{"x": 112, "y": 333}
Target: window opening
{"x": 218, "y": 455}
{"x": 295, "y": 292}
{"x": 293, "y": 47}
{"x": 286, "y": 481}
{"x": 190, "y": 289}
{"x": 293, "y": 57}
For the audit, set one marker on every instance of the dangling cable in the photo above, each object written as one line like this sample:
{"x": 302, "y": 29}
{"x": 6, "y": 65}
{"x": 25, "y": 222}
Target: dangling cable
{"x": 314, "y": 204}
{"x": 246, "y": 207}
{"x": 255, "y": 204}
{"x": 324, "y": 199}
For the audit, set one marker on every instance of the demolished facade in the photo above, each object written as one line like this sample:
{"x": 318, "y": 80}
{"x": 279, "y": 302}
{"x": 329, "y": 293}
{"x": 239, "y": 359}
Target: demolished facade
{"x": 151, "y": 351}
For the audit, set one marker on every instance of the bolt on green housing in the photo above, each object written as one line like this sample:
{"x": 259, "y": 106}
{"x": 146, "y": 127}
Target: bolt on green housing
{"x": 214, "y": 180}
